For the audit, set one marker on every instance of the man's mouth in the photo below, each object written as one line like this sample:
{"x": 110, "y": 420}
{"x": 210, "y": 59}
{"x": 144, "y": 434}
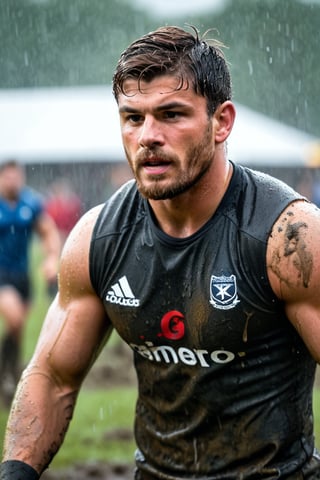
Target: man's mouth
{"x": 156, "y": 166}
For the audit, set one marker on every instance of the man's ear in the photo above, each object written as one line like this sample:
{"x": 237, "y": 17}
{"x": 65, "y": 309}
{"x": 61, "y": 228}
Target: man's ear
{"x": 224, "y": 119}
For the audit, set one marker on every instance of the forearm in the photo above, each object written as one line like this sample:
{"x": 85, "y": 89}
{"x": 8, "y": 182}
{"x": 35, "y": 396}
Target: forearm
{"x": 51, "y": 246}
{"x": 51, "y": 252}
{"x": 38, "y": 421}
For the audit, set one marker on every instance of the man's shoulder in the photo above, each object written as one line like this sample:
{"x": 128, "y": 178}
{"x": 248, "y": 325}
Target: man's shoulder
{"x": 124, "y": 208}
{"x": 126, "y": 189}
{"x": 258, "y": 200}
{"x": 263, "y": 188}
{"x": 263, "y": 180}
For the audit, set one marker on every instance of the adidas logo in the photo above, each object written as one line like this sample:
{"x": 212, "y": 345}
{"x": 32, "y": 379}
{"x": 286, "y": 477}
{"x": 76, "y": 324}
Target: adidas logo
{"x": 121, "y": 294}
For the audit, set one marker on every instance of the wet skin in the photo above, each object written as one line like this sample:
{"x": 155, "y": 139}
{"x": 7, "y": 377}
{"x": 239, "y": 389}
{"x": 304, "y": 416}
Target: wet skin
{"x": 176, "y": 150}
{"x": 293, "y": 261}
{"x": 172, "y": 124}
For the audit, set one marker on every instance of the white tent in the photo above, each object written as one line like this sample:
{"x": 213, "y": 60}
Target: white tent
{"x": 81, "y": 124}
{"x": 59, "y": 124}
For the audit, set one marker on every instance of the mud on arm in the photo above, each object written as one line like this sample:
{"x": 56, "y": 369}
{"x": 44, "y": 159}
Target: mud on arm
{"x": 293, "y": 262}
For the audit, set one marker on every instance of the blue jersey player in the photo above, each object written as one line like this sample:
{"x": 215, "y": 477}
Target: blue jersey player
{"x": 208, "y": 270}
{"x": 21, "y": 214}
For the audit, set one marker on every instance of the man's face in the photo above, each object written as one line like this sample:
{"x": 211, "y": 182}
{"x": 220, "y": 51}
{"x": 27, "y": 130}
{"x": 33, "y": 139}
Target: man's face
{"x": 11, "y": 182}
{"x": 167, "y": 136}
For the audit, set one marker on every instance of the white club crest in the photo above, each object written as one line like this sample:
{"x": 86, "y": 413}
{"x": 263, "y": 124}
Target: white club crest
{"x": 223, "y": 292}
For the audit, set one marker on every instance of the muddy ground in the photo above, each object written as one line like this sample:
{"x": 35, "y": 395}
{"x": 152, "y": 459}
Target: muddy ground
{"x": 96, "y": 471}
{"x": 121, "y": 372}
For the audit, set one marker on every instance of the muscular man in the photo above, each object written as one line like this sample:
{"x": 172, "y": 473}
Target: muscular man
{"x": 21, "y": 214}
{"x": 208, "y": 270}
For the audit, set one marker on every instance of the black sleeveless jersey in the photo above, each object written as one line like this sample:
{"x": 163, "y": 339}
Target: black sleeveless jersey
{"x": 224, "y": 381}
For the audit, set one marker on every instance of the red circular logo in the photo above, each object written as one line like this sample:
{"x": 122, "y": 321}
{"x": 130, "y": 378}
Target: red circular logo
{"x": 172, "y": 326}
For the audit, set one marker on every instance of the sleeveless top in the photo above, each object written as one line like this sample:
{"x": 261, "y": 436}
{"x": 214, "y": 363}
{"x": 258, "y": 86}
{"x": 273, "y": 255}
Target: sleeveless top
{"x": 17, "y": 222}
{"x": 224, "y": 381}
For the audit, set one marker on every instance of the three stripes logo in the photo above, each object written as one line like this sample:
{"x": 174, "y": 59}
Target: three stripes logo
{"x": 121, "y": 294}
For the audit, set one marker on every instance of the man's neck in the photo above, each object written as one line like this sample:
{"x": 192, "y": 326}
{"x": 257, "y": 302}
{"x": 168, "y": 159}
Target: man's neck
{"x": 185, "y": 214}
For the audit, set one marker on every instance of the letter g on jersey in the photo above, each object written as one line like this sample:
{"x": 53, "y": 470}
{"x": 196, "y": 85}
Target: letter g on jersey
{"x": 172, "y": 325}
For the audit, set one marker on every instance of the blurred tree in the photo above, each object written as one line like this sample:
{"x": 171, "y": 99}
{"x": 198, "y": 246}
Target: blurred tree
{"x": 273, "y": 48}
{"x": 274, "y": 57}
{"x": 58, "y": 42}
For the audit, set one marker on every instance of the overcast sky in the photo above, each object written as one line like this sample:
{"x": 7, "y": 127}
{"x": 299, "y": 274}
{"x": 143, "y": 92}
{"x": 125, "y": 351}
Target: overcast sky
{"x": 180, "y": 7}
{"x": 188, "y": 7}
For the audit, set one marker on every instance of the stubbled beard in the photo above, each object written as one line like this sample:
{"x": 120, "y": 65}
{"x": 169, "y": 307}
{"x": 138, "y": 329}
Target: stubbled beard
{"x": 183, "y": 184}
{"x": 198, "y": 161}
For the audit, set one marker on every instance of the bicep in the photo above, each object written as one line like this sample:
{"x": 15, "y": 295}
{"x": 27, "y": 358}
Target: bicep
{"x": 293, "y": 260}
{"x": 305, "y": 317}
{"x": 76, "y": 325}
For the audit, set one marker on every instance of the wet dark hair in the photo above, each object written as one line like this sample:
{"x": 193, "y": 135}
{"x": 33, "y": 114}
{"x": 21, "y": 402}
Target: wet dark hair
{"x": 174, "y": 51}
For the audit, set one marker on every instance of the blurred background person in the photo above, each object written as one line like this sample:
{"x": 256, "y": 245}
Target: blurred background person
{"x": 22, "y": 213}
{"x": 64, "y": 206}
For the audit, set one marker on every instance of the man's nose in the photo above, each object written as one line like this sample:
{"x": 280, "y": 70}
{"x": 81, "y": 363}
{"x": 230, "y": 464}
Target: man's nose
{"x": 151, "y": 132}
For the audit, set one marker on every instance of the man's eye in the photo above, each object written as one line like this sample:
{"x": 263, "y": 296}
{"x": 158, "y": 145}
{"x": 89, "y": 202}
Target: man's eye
{"x": 171, "y": 114}
{"x": 134, "y": 118}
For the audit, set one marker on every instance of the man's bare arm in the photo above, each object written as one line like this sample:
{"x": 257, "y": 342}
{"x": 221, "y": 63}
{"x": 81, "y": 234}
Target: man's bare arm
{"x": 293, "y": 261}
{"x": 73, "y": 333}
{"x": 51, "y": 243}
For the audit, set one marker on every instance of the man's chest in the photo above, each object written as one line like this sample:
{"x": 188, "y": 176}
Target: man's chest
{"x": 199, "y": 299}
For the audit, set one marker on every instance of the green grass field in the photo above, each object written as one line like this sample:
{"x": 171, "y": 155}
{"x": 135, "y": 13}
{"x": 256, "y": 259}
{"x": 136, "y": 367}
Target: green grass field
{"x": 103, "y": 417}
